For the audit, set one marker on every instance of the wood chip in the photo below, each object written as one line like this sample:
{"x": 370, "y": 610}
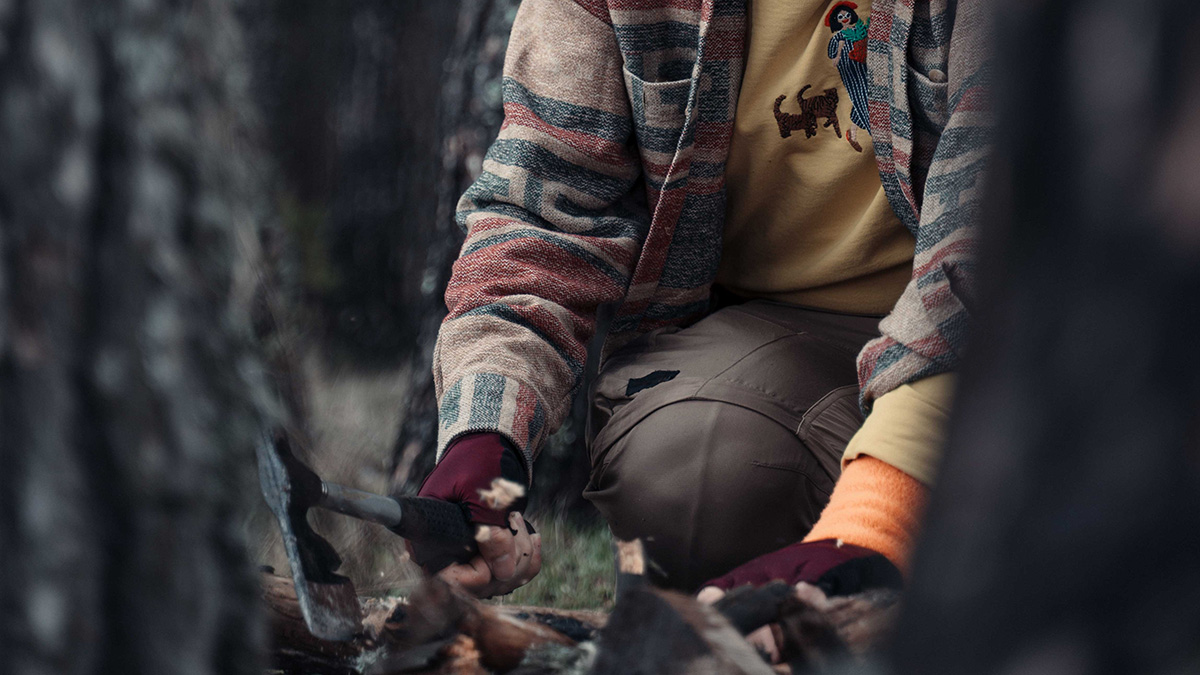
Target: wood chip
{"x": 502, "y": 494}
{"x": 631, "y": 559}
{"x": 462, "y": 658}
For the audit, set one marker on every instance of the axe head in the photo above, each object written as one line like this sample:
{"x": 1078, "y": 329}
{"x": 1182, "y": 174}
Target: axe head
{"x": 327, "y": 600}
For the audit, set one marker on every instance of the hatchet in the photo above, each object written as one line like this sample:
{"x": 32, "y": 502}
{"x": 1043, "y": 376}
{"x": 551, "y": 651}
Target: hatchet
{"x": 327, "y": 600}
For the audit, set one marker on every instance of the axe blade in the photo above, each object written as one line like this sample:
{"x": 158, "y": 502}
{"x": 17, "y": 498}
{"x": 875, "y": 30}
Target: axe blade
{"x": 327, "y": 600}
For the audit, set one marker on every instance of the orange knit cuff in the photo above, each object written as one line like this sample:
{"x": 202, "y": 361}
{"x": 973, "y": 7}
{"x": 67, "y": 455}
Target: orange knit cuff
{"x": 876, "y": 506}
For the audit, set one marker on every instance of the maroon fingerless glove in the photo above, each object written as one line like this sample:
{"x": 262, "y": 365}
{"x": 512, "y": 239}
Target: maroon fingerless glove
{"x": 836, "y": 570}
{"x": 465, "y": 475}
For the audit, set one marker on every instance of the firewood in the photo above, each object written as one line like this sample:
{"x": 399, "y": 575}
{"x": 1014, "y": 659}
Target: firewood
{"x": 749, "y": 608}
{"x": 437, "y": 608}
{"x": 579, "y": 625}
{"x": 653, "y": 631}
{"x": 631, "y": 564}
{"x": 437, "y": 629}
{"x": 810, "y": 623}
{"x": 294, "y": 648}
{"x": 807, "y": 638}
{"x": 816, "y": 631}
{"x": 462, "y": 658}
{"x": 862, "y": 621}
{"x": 592, "y": 618}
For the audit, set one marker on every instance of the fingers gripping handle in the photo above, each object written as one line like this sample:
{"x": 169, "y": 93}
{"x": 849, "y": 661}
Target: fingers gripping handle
{"x": 427, "y": 519}
{"x": 440, "y": 528}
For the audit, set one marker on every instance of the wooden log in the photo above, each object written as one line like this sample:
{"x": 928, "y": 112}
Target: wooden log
{"x": 591, "y": 618}
{"x": 749, "y": 608}
{"x": 656, "y": 632}
{"x": 863, "y": 621}
{"x": 437, "y": 610}
{"x": 579, "y": 625}
{"x": 437, "y": 629}
{"x": 440, "y": 630}
{"x": 808, "y": 623}
{"x": 293, "y": 647}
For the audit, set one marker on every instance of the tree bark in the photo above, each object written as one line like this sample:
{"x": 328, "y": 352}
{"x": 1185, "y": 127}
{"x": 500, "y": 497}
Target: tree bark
{"x": 128, "y": 201}
{"x": 1064, "y": 533}
{"x": 351, "y": 93}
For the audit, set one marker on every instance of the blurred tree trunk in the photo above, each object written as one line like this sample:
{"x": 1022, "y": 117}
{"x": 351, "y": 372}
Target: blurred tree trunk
{"x": 128, "y": 197}
{"x": 351, "y": 92}
{"x": 471, "y": 113}
{"x": 349, "y": 96}
{"x": 1065, "y": 531}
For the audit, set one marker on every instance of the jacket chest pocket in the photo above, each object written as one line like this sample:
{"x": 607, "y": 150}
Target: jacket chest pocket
{"x": 927, "y": 96}
{"x": 659, "y": 117}
{"x": 927, "y": 59}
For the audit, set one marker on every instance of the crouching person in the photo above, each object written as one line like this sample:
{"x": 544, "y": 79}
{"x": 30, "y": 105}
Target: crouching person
{"x": 780, "y": 260}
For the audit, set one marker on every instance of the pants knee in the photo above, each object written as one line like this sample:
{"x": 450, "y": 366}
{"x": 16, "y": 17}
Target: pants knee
{"x": 707, "y": 485}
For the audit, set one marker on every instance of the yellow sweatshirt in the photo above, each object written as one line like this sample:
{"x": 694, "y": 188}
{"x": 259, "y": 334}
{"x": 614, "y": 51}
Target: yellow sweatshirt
{"x": 807, "y": 221}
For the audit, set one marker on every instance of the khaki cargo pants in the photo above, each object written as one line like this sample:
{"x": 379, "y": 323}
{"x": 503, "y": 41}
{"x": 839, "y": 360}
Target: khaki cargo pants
{"x": 722, "y": 441}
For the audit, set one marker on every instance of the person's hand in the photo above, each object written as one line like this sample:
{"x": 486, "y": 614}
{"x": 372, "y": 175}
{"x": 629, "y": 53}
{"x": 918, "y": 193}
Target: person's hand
{"x": 830, "y": 565}
{"x": 818, "y": 570}
{"x": 767, "y": 638}
{"x": 506, "y": 561}
{"x": 483, "y": 474}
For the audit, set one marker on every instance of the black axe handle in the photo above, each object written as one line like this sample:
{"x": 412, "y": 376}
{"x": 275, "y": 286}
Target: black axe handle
{"x": 440, "y": 528}
{"x": 442, "y": 531}
{"x": 433, "y": 523}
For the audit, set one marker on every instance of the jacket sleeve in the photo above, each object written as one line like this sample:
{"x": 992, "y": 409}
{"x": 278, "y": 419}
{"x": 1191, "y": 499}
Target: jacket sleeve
{"x": 926, "y": 332}
{"x": 553, "y": 230}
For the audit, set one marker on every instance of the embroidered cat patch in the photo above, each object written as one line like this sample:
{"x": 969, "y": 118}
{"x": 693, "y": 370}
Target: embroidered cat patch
{"x": 848, "y": 51}
{"x": 811, "y": 109}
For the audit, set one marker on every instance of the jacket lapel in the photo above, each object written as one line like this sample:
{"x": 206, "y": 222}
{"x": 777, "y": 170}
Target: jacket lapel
{"x": 888, "y": 104}
{"x": 681, "y": 162}
{"x": 719, "y": 43}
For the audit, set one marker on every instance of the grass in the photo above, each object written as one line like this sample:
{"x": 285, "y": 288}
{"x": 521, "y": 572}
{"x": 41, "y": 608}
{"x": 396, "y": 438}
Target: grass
{"x": 577, "y": 568}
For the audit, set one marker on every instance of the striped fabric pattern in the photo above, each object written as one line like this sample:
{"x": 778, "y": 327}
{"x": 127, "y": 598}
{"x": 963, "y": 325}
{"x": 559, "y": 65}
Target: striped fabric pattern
{"x": 932, "y": 161}
{"x": 606, "y": 186}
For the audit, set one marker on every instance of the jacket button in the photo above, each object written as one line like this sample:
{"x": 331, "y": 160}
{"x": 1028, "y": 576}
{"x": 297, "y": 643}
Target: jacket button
{"x": 936, "y": 75}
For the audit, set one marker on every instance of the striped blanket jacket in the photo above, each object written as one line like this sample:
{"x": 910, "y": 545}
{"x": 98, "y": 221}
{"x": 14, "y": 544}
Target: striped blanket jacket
{"x": 606, "y": 187}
